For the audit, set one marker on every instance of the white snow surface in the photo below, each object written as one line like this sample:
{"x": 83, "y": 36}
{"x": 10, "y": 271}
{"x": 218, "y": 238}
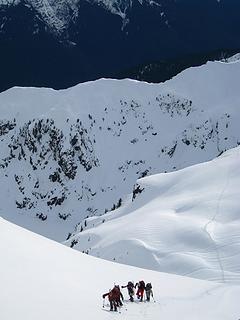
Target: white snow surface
{"x": 185, "y": 222}
{"x": 41, "y": 279}
{"x": 214, "y": 85}
{"x": 232, "y": 59}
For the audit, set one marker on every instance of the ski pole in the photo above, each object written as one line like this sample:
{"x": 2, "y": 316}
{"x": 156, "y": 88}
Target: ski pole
{"x": 153, "y": 298}
{"x": 104, "y": 303}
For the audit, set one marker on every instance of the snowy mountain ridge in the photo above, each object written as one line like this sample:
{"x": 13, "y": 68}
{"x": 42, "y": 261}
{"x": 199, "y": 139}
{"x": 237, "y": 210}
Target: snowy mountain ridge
{"x": 76, "y": 153}
{"x": 234, "y": 58}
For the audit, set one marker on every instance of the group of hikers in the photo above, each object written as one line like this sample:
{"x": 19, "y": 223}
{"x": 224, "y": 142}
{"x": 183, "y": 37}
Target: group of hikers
{"x": 115, "y": 296}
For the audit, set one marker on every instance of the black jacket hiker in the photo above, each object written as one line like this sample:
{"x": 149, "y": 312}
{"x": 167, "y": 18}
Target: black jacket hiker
{"x": 130, "y": 287}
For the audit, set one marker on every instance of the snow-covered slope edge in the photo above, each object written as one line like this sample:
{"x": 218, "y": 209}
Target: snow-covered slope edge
{"x": 185, "y": 222}
{"x": 68, "y": 154}
{"x": 41, "y": 279}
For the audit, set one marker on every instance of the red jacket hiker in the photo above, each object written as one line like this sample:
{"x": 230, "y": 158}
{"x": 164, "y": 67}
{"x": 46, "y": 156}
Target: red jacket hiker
{"x": 114, "y": 296}
{"x": 141, "y": 288}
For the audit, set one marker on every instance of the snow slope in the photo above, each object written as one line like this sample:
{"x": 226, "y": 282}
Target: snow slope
{"x": 185, "y": 222}
{"x": 41, "y": 279}
{"x": 215, "y": 85}
{"x": 69, "y": 154}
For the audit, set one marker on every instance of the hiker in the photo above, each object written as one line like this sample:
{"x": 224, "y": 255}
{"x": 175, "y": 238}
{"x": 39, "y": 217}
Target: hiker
{"x": 120, "y": 298}
{"x": 130, "y": 287}
{"x": 141, "y": 287}
{"x": 148, "y": 290}
{"x": 113, "y": 297}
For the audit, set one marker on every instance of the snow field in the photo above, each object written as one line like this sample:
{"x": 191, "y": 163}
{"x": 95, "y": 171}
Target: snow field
{"x": 184, "y": 222}
{"x": 42, "y": 279}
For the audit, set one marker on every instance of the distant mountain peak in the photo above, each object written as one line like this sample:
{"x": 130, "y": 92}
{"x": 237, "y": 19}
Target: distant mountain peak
{"x": 57, "y": 15}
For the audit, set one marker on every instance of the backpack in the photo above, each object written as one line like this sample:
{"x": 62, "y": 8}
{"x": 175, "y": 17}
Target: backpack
{"x": 130, "y": 284}
{"x": 114, "y": 294}
{"x": 148, "y": 286}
